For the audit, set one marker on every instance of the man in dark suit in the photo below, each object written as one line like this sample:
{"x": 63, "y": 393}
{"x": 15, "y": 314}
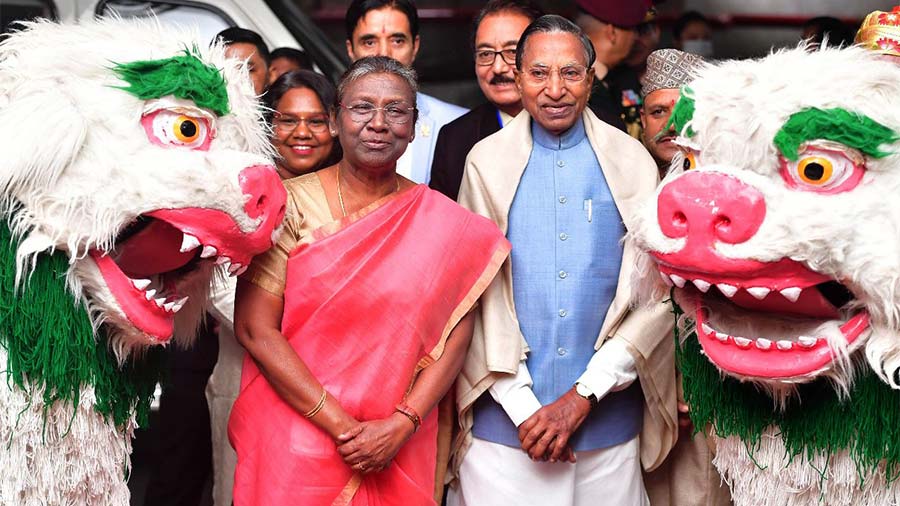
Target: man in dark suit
{"x": 497, "y": 30}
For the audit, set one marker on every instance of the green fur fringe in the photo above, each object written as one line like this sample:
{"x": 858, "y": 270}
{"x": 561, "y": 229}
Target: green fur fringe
{"x": 50, "y": 343}
{"x": 838, "y": 125}
{"x": 184, "y": 76}
{"x": 815, "y": 421}
{"x": 682, "y": 114}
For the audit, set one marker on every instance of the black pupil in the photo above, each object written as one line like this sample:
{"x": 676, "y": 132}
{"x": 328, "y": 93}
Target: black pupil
{"x": 814, "y": 171}
{"x": 188, "y": 128}
{"x": 687, "y": 163}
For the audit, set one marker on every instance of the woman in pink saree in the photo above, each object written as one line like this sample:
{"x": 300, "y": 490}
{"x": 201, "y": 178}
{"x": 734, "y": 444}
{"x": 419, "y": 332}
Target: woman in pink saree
{"x": 357, "y": 322}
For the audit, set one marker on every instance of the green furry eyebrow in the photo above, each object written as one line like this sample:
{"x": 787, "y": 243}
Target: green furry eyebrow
{"x": 184, "y": 76}
{"x": 838, "y": 125}
{"x": 682, "y": 114}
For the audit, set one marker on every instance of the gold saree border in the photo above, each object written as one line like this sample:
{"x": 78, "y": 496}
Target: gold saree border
{"x": 501, "y": 251}
{"x": 350, "y": 489}
{"x": 336, "y": 226}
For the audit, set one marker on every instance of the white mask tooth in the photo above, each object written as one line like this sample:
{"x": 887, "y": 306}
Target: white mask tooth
{"x": 727, "y": 290}
{"x": 792, "y": 293}
{"x": 763, "y": 344}
{"x": 208, "y": 252}
{"x": 701, "y": 285}
{"x": 759, "y": 292}
{"x": 189, "y": 242}
{"x": 678, "y": 280}
{"x": 140, "y": 284}
{"x": 784, "y": 345}
{"x": 179, "y": 304}
{"x": 807, "y": 341}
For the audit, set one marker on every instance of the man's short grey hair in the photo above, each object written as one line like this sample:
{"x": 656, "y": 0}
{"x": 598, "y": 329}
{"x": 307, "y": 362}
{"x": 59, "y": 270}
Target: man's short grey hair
{"x": 551, "y": 23}
{"x": 376, "y": 65}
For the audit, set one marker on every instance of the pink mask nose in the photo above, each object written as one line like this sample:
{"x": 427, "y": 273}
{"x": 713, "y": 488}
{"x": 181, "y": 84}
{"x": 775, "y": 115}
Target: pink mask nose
{"x": 266, "y": 195}
{"x": 708, "y": 207}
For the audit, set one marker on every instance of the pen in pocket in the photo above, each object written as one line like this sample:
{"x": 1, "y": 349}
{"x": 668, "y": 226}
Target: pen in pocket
{"x": 589, "y": 209}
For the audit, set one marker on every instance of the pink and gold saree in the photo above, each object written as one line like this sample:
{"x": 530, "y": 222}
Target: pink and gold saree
{"x": 369, "y": 302}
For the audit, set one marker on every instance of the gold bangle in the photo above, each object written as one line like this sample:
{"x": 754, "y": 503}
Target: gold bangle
{"x": 410, "y": 413}
{"x": 311, "y": 413}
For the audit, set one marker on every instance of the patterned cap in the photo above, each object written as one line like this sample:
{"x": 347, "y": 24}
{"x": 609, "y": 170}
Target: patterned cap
{"x": 669, "y": 69}
{"x": 880, "y": 32}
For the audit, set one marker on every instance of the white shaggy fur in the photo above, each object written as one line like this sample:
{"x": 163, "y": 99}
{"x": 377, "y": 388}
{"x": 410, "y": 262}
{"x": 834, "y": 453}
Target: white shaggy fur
{"x": 852, "y": 237}
{"x": 73, "y": 457}
{"x": 76, "y": 168}
{"x": 767, "y": 478}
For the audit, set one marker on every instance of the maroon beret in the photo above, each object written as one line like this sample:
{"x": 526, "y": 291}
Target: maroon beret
{"x": 624, "y": 13}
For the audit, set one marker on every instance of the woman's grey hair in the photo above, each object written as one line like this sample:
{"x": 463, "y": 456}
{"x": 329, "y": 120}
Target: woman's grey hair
{"x": 376, "y": 65}
{"x": 552, "y": 23}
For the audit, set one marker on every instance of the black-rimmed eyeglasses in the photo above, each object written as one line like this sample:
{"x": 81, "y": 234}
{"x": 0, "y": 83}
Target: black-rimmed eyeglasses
{"x": 485, "y": 57}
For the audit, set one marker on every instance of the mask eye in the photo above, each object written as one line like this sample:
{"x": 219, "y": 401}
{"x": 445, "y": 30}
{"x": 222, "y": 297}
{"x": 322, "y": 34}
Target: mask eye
{"x": 690, "y": 160}
{"x": 829, "y": 170}
{"x": 815, "y": 170}
{"x": 186, "y": 130}
{"x": 171, "y": 129}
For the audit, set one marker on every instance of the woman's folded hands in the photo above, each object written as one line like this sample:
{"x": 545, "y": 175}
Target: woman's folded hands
{"x": 369, "y": 447}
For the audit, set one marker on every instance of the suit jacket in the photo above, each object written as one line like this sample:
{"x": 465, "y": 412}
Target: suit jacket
{"x": 493, "y": 169}
{"x": 453, "y": 144}
{"x": 433, "y": 114}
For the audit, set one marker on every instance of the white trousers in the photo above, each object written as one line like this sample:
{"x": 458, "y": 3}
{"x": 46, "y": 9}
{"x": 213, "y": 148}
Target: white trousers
{"x": 492, "y": 474}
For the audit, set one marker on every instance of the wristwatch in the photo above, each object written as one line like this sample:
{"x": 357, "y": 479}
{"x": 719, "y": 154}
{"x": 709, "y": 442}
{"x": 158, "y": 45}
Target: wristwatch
{"x": 582, "y": 390}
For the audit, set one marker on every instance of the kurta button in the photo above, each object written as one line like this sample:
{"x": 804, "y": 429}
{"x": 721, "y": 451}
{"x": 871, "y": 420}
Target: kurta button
{"x": 563, "y": 274}
{"x": 563, "y": 199}
{"x": 563, "y": 236}
{"x": 563, "y": 313}
{"x": 561, "y": 351}
{"x": 560, "y": 163}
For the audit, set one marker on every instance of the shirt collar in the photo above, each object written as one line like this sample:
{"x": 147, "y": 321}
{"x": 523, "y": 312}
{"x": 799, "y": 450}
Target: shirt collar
{"x": 568, "y": 139}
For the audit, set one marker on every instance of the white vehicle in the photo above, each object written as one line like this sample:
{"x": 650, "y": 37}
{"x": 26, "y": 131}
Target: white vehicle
{"x": 280, "y": 22}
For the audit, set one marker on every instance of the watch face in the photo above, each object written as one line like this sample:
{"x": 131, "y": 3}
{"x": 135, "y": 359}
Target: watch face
{"x": 583, "y": 390}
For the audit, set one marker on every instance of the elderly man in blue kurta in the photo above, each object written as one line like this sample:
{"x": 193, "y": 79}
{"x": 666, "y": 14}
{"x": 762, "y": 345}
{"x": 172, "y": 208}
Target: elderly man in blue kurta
{"x": 566, "y": 390}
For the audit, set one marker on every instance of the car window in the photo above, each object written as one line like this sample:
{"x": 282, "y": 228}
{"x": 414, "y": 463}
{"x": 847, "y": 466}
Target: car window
{"x": 208, "y": 20}
{"x": 20, "y": 10}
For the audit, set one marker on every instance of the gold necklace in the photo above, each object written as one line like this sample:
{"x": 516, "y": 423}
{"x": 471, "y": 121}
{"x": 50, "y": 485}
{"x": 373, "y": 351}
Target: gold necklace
{"x": 341, "y": 196}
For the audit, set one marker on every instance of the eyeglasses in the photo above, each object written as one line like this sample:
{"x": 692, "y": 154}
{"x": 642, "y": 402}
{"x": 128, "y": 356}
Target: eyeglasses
{"x": 283, "y": 123}
{"x": 539, "y": 74}
{"x": 395, "y": 114}
{"x": 485, "y": 57}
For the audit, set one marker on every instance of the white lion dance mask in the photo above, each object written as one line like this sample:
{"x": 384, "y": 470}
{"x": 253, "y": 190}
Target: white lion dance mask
{"x": 781, "y": 241}
{"x": 133, "y": 162}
